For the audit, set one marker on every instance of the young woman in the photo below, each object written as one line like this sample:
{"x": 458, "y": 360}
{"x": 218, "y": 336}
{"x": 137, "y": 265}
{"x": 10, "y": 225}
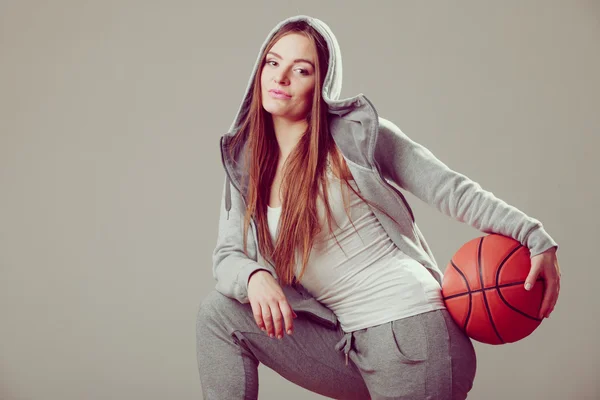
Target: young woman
{"x": 322, "y": 273}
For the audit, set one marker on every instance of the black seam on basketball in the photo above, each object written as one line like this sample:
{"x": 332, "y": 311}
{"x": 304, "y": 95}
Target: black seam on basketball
{"x": 488, "y": 288}
{"x": 487, "y": 306}
{"x": 504, "y": 262}
{"x": 516, "y": 309}
{"x": 469, "y": 293}
{"x": 500, "y": 292}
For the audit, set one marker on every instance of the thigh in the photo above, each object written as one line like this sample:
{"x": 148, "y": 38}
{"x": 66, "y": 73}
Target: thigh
{"x": 418, "y": 357}
{"x": 463, "y": 356}
{"x": 307, "y": 358}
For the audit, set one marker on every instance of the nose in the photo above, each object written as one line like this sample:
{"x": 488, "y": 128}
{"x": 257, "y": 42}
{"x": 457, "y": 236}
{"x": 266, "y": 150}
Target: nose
{"x": 280, "y": 79}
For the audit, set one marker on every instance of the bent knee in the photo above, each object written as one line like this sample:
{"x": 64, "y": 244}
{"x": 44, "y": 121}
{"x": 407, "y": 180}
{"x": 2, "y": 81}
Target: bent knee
{"x": 216, "y": 306}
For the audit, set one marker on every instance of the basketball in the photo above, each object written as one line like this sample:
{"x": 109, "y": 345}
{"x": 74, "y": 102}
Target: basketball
{"x": 484, "y": 290}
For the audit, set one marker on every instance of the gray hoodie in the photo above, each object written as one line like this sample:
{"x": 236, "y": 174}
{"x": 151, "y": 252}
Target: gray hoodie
{"x": 383, "y": 162}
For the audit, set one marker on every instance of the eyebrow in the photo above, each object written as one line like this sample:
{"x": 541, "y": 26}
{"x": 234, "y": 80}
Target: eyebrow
{"x": 296, "y": 60}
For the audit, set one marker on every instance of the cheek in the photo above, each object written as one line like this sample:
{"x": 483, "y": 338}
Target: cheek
{"x": 262, "y": 81}
{"x": 307, "y": 94}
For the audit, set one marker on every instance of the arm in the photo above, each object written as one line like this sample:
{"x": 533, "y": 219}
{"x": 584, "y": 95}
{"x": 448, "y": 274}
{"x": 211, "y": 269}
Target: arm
{"x": 231, "y": 267}
{"x": 416, "y": 169}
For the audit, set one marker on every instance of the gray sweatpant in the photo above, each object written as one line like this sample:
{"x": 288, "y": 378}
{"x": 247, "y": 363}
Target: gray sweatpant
{"x": 425, "y": 356}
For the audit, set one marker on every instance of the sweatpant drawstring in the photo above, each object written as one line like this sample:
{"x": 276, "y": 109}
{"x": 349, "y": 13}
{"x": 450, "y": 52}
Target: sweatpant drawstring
{"x": 345, "y": 344}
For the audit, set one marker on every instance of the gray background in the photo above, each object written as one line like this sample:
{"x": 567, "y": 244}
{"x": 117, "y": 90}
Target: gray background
{"x": 110, "y": 173}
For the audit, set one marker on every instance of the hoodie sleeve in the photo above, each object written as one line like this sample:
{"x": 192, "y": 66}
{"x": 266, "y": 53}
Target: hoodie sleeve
{"x": 231, "y": 267}
{"x": 417, "y": 170}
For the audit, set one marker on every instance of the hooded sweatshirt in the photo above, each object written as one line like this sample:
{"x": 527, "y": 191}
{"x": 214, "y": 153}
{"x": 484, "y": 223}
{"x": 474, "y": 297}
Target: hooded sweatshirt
{"x": 384, "y": 162}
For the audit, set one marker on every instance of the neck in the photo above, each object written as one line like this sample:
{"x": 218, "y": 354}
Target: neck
{"x": 288, "y": 133}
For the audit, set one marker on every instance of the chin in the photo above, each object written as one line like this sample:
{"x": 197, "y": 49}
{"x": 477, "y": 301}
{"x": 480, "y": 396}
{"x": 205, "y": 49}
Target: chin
{"x": 273, "y": 109}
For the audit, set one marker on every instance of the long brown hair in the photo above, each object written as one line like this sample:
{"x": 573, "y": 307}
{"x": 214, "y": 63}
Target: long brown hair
{"x": 299, "y": 221}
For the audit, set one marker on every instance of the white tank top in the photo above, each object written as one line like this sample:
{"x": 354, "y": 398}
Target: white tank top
{"x": 369, "y": 281}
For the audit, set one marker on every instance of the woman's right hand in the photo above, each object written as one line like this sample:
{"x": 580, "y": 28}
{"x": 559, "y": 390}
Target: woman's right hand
{"x": 270, "y": 307}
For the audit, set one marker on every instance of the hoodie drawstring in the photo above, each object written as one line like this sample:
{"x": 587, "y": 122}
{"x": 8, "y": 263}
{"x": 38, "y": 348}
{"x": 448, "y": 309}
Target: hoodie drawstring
{"x": 227, "y": 195}
{"x": 345, "y": 344}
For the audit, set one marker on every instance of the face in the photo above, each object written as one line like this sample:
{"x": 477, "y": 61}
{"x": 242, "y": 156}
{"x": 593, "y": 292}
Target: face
{"x": 289, "y": 68}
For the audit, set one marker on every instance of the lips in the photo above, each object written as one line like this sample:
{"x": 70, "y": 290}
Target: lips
{"x": 280, "y": 93}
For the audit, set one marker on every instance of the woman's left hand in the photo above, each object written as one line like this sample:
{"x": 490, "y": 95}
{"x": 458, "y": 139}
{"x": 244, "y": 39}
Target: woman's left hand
{"x": 546, "y": 265}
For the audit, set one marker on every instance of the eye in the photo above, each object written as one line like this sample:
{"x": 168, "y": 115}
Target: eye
{"x": 274, "y": 63}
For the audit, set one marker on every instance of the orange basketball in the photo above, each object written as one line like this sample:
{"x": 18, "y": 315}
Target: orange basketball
{"x": 484, "y": 290}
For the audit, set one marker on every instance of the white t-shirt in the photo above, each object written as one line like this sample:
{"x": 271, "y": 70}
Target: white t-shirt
{"x": 370, "y": 281}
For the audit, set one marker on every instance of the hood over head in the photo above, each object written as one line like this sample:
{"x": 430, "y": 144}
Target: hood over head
{"x": 332, "y": 85}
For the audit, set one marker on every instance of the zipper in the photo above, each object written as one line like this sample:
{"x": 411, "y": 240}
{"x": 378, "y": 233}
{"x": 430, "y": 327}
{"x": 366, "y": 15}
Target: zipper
{"x": 392, "y": 189}
{"x": 401, "y": 196}
{"x": 252, "y": 222}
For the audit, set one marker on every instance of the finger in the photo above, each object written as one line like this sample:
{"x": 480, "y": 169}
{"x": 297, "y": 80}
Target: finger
{"x": 277, "y": 320}
{"x": 549, "y": 298}
{"x": 257, "y": 313}
{"x": 266, "y": 314}
{"x": 554, "y": 299}
{"x": 288, "y": 316}
{"x": 555, "y": 283}
{"x": 532, "y": 276}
